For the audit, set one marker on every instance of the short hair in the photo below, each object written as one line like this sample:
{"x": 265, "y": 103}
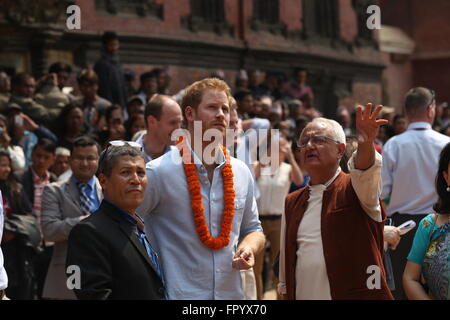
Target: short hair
{"x": 84, "y": 141}
{"x": 299, "y": 69}
{"x": 147, "y": 75}
{"x": 87, "y": 76}
{"x": 241, "y": 94}
{"x": 46, "y": 144}
{"x": 335, "y": 128}
{"x": 155, "y": 106}
{"x": 60, "y": 67}
{"x": 109, "y": 36}
{"x": 109, "y": 110}
{"x": 417, "y": 100}
{"x": 109, "y": 156}
{"x": 233, "y": 103}
{"x": 194, "y": 93}
{"x": 19, "y": 78}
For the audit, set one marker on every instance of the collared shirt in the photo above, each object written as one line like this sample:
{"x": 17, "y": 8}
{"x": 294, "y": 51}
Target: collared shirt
{"x": 311, "y": 272}
{"x": 192, "y": 270}
{"x": 410, "y": 163}
{"x": 39, "y": 184}
{"x": 142, "y": 238}
{"x": 91, "y": 191}
{"x": 3, "y": 275}
{"x": 147, "y": 158}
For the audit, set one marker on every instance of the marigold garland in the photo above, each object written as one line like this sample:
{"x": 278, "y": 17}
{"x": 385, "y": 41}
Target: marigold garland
{"x": 190, "y": 170}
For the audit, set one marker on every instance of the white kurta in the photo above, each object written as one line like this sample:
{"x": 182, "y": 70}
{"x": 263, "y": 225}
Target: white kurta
{"x": 311, "y": 276}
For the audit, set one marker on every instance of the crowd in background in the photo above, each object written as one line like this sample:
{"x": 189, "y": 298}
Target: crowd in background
{"x": 41, "y": 118}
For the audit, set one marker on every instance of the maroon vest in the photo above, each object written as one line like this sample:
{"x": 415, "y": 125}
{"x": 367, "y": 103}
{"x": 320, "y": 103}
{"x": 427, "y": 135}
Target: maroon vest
{"x": 352, "y": 241}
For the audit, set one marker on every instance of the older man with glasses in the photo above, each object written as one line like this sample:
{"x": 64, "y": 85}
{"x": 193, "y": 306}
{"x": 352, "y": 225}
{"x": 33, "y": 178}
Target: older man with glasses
{"x": 66, "y": 203}
{"x": 332, "y": 230}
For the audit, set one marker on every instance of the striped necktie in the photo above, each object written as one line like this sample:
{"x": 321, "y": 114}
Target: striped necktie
{"x": 85, "y": 203}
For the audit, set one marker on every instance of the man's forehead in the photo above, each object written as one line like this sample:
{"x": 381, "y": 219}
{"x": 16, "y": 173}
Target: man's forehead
{"x": 130, "y": 161}
{"x": 316, "y": 127}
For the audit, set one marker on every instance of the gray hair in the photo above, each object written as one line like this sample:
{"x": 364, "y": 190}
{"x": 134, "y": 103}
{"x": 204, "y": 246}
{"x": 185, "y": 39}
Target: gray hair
{"x": 336, "y": 129}
{"x": 109, "y": 156}
{"x": 61, "y": 151}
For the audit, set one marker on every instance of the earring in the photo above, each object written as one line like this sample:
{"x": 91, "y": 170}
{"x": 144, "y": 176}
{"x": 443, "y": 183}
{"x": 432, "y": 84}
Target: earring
{"x": 448, "y": 189}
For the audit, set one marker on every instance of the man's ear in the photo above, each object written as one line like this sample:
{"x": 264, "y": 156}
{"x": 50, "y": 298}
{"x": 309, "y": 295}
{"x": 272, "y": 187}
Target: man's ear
{"x": 189, "y": 114}
{"x": 341, "y": 148}
{"x": 150, "y": 121}
{"x": 102, "y": 179}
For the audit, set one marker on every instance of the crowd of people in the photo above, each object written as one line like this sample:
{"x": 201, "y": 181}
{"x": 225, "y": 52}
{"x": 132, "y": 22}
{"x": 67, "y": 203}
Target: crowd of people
{"x": 89, "y": 178}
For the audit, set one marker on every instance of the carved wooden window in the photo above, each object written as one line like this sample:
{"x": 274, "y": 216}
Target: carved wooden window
{"x": 138, "y": 8}
{"x": 365, "y": 35}
{"x": 321, "y": 18}
{"x": 266, "y": 16}
{"x": 207, "y": 15}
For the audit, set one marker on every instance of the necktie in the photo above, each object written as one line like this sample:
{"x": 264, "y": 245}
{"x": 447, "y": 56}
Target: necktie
{"x": 85, "y": 203}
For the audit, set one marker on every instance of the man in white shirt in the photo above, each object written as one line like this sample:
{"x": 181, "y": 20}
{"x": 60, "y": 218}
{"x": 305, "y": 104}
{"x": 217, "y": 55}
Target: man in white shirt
{"x": 3, "y": 275}
{"x": 410, "y": 163}
{"x": 162, "y": 117}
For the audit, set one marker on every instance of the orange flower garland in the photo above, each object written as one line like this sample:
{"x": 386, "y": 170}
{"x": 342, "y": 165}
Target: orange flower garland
{"x": 190, "y": 170}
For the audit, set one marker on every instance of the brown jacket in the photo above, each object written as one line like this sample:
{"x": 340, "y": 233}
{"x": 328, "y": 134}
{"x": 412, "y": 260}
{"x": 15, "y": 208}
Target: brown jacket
{"x": 352, "y": 241}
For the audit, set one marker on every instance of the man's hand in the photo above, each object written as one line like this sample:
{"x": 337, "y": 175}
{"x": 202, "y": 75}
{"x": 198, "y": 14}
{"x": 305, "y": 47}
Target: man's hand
{"x": 367, "y": 123}
{"x": 28, "y": 123}
{"x": 243, "y": 259}
{"x": 391, "y": 235}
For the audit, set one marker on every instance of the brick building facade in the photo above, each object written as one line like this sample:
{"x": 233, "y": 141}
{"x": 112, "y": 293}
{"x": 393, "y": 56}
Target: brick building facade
{"x": 193, "y": 37}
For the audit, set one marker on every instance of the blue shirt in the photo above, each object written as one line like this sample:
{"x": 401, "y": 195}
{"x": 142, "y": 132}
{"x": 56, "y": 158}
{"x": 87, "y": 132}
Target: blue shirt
{"x": 91, "y": 190}
{"x": 141, "y": 236}
{"x": 192, "y": 270}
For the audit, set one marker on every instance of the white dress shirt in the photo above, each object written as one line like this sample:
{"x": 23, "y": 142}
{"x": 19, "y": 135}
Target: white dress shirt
{"x": 311, "y": 276}
{"x": 3, "y": 276}
{"x": 410, "y": 163}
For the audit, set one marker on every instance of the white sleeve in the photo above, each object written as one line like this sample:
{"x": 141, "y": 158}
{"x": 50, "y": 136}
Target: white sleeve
{"x": 151, "y": 196}
{"x": 367, "y": 185}
{"x": 281, "y": 276}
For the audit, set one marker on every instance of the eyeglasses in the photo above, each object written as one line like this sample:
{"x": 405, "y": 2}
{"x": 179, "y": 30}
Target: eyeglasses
{"x": 121, "y": 143}
{"x": 316, "y": 140}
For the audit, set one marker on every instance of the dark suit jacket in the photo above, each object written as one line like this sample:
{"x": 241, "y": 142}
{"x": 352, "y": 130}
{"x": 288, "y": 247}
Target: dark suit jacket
{"x": 28, "y": 184}
{"x": 113, "y": 262}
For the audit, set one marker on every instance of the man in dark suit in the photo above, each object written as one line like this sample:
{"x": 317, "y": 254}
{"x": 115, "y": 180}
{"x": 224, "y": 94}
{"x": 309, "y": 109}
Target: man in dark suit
{"x": 114, "y": 257}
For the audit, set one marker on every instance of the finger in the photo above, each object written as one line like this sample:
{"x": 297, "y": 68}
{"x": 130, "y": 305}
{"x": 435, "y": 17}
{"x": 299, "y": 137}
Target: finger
{"x": 381, "y": 122}
{"x": 368, "y": 111}
{"x": 376, "y": 112}
{"x": 359, "y": 112}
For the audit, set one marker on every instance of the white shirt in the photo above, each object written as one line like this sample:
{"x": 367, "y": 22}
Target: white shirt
{"x": 311, "y": 276}
{"x": 273, "y": 190}
{"x": 410, "y": 163}
{"x": 3, "y": 276}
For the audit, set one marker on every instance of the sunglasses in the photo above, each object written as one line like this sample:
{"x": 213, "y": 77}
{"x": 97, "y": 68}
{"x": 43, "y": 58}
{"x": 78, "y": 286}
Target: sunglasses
{"x": 120, "y": 143}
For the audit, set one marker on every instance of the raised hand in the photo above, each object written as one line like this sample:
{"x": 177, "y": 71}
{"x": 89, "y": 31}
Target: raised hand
{"x": 367, "y": 123}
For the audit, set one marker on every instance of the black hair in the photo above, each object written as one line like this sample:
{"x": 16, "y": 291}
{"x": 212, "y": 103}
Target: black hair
{"x": 60, "y": 67}
{"x": 84, "y": 141}
{"x": 109, "y": 156}
{"x": 443, "y": 203}
{"x": 147, "y": 75}
{"x": 109, "y": 36}
{"x": 241, "y": 94}
{"x": 19, "y": 78}
{"x": 109, "y": 110}
{"x": 46, "y": 144}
